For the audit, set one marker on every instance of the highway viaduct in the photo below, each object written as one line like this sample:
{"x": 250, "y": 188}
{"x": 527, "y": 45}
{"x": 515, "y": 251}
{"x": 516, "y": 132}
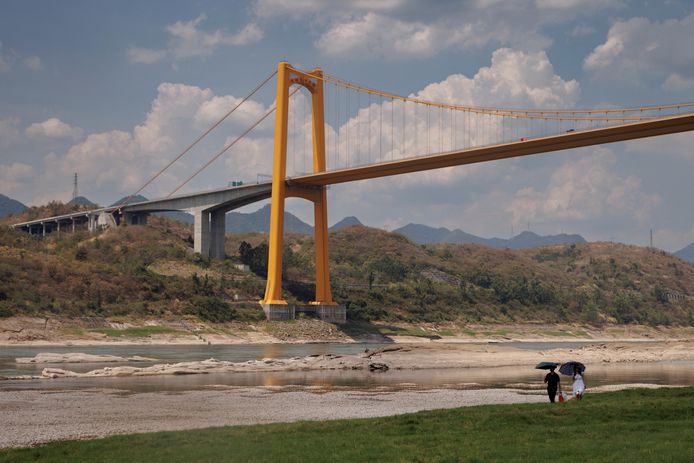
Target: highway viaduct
{"x": 208, "y": 209}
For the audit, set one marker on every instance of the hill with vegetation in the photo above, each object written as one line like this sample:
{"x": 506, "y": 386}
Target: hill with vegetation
{"x": 9, "y": 206}
{"x": 151, "y": 271}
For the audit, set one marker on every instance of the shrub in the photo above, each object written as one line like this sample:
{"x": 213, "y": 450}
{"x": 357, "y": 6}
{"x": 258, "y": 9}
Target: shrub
{"x": 211, "y": 309}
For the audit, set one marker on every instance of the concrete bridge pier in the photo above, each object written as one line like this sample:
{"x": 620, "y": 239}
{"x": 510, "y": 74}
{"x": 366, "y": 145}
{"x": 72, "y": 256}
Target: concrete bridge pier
{"x": 209, "y": 231}
{"x": 217, "y": 234}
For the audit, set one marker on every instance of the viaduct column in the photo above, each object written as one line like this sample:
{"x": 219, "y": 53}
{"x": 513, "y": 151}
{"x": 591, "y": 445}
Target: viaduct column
{"x": 201, "y": 233}
{"x": 217, "y": 233}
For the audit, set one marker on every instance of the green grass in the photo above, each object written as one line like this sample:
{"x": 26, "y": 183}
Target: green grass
{"x": 136, "y": 331}
{"x": 628, "y": 426}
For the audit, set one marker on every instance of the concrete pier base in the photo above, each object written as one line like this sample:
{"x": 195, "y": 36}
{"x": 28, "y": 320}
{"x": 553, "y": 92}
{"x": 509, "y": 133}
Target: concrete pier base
{"x": 329, "y": 313}
{"x": 278, "y": 312}
{"x": 332, "y": 313}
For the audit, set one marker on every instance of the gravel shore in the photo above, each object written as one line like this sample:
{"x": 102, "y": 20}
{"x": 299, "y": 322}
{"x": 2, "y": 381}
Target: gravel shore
{"x": 34, "y": 417}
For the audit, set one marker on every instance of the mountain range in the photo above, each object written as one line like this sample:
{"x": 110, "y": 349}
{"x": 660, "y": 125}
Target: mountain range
{"x": 424, "y": 234}
{"x": 259, "y": 221}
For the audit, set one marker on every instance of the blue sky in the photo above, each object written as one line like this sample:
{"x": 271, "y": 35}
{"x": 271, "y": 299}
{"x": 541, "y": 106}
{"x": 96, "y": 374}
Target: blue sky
{"x": 113, "y": 90}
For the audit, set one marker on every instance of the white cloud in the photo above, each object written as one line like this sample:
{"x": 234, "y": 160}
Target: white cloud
{"x": 53, "y": 128}
{"x": 641, "y": 48}
{"x": 14, "y": 176}
{"x": 116, "y": 163}
{"x": 515, "y": 79}
{"x": 377, "y": 35}
{"x": 9, "y": 130}
{"x": 169, "y": 116}
{"x": 33, "y": 63}
{"x": 402, "y": 29}
{"x": 586, "y": 189}
{"x": 145, "y": 55}
{"x": 188, "y": 40}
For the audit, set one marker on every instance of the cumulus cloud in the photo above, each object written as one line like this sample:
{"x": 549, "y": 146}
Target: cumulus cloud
{"x": 586, "y": 189}
{"x": 118, "y": 162}
{"x": 643, "y": 48}
{"x": 187, "y": 39}
{"x": 33, "y": 63}
{"x": 378, "y": 35}
{"x": 53, "y": 128}
{"x": 401, "y": 28}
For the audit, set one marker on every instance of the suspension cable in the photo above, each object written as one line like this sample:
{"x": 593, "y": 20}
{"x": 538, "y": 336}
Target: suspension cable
{"x": 514, "y": 112}
{"x": 207, "y": 132}
{"x": 227, "y": 147}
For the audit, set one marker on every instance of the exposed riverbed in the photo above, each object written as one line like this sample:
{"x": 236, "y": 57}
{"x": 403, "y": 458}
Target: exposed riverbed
{"x": 419, "y": 377}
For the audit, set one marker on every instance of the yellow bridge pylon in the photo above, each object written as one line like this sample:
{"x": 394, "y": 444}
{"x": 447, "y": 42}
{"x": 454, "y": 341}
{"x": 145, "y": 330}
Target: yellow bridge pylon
{"x": 313, "y": 82}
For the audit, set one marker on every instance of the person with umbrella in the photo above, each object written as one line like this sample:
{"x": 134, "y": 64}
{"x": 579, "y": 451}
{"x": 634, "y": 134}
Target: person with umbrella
{"x": 576, "y": 369}
{"x": 551, "y": 379}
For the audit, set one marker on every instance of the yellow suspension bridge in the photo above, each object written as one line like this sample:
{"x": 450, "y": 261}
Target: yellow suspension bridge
{"x": 330, "y": 131}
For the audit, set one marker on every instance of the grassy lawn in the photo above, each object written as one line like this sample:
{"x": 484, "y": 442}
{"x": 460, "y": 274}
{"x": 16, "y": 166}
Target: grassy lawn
{"x": 136, "y": 331}
{"x": 628, "y": 426}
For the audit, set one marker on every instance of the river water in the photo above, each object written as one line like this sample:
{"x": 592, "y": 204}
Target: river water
{"x": 524, "y": 377}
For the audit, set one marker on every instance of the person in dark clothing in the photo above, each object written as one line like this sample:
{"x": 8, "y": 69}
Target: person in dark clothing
{"x": 552, "y": 381}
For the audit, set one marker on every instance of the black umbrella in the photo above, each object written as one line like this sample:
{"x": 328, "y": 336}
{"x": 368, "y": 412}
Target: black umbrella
{"x": 546, "y": 365}
{"x": 568, "y": 368}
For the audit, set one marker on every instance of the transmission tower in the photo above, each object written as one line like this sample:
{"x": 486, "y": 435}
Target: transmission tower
{"x": 74, "y": 188}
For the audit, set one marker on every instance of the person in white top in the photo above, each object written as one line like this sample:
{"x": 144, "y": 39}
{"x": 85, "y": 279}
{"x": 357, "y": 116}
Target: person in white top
{"x": 579, "y": 386}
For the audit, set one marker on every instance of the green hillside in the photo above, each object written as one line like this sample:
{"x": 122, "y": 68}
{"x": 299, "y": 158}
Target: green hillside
{"x": 152, "y": 272}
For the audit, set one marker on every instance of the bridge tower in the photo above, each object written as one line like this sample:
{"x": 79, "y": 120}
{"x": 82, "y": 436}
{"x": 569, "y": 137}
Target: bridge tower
{"x": 274, "y": 304}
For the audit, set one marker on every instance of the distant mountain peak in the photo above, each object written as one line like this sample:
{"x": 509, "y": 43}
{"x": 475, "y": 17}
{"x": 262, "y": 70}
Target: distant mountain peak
{"x": 82, "y": 201}
{"x": 346, "y": 222}
{"x": 129, "y": 200}
{"x": 686, "y": 253}
{"x": 424, "y": 234}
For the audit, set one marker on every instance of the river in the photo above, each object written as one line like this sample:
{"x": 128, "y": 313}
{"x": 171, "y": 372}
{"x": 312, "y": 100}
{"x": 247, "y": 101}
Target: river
{"x": 523, "y": 377}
